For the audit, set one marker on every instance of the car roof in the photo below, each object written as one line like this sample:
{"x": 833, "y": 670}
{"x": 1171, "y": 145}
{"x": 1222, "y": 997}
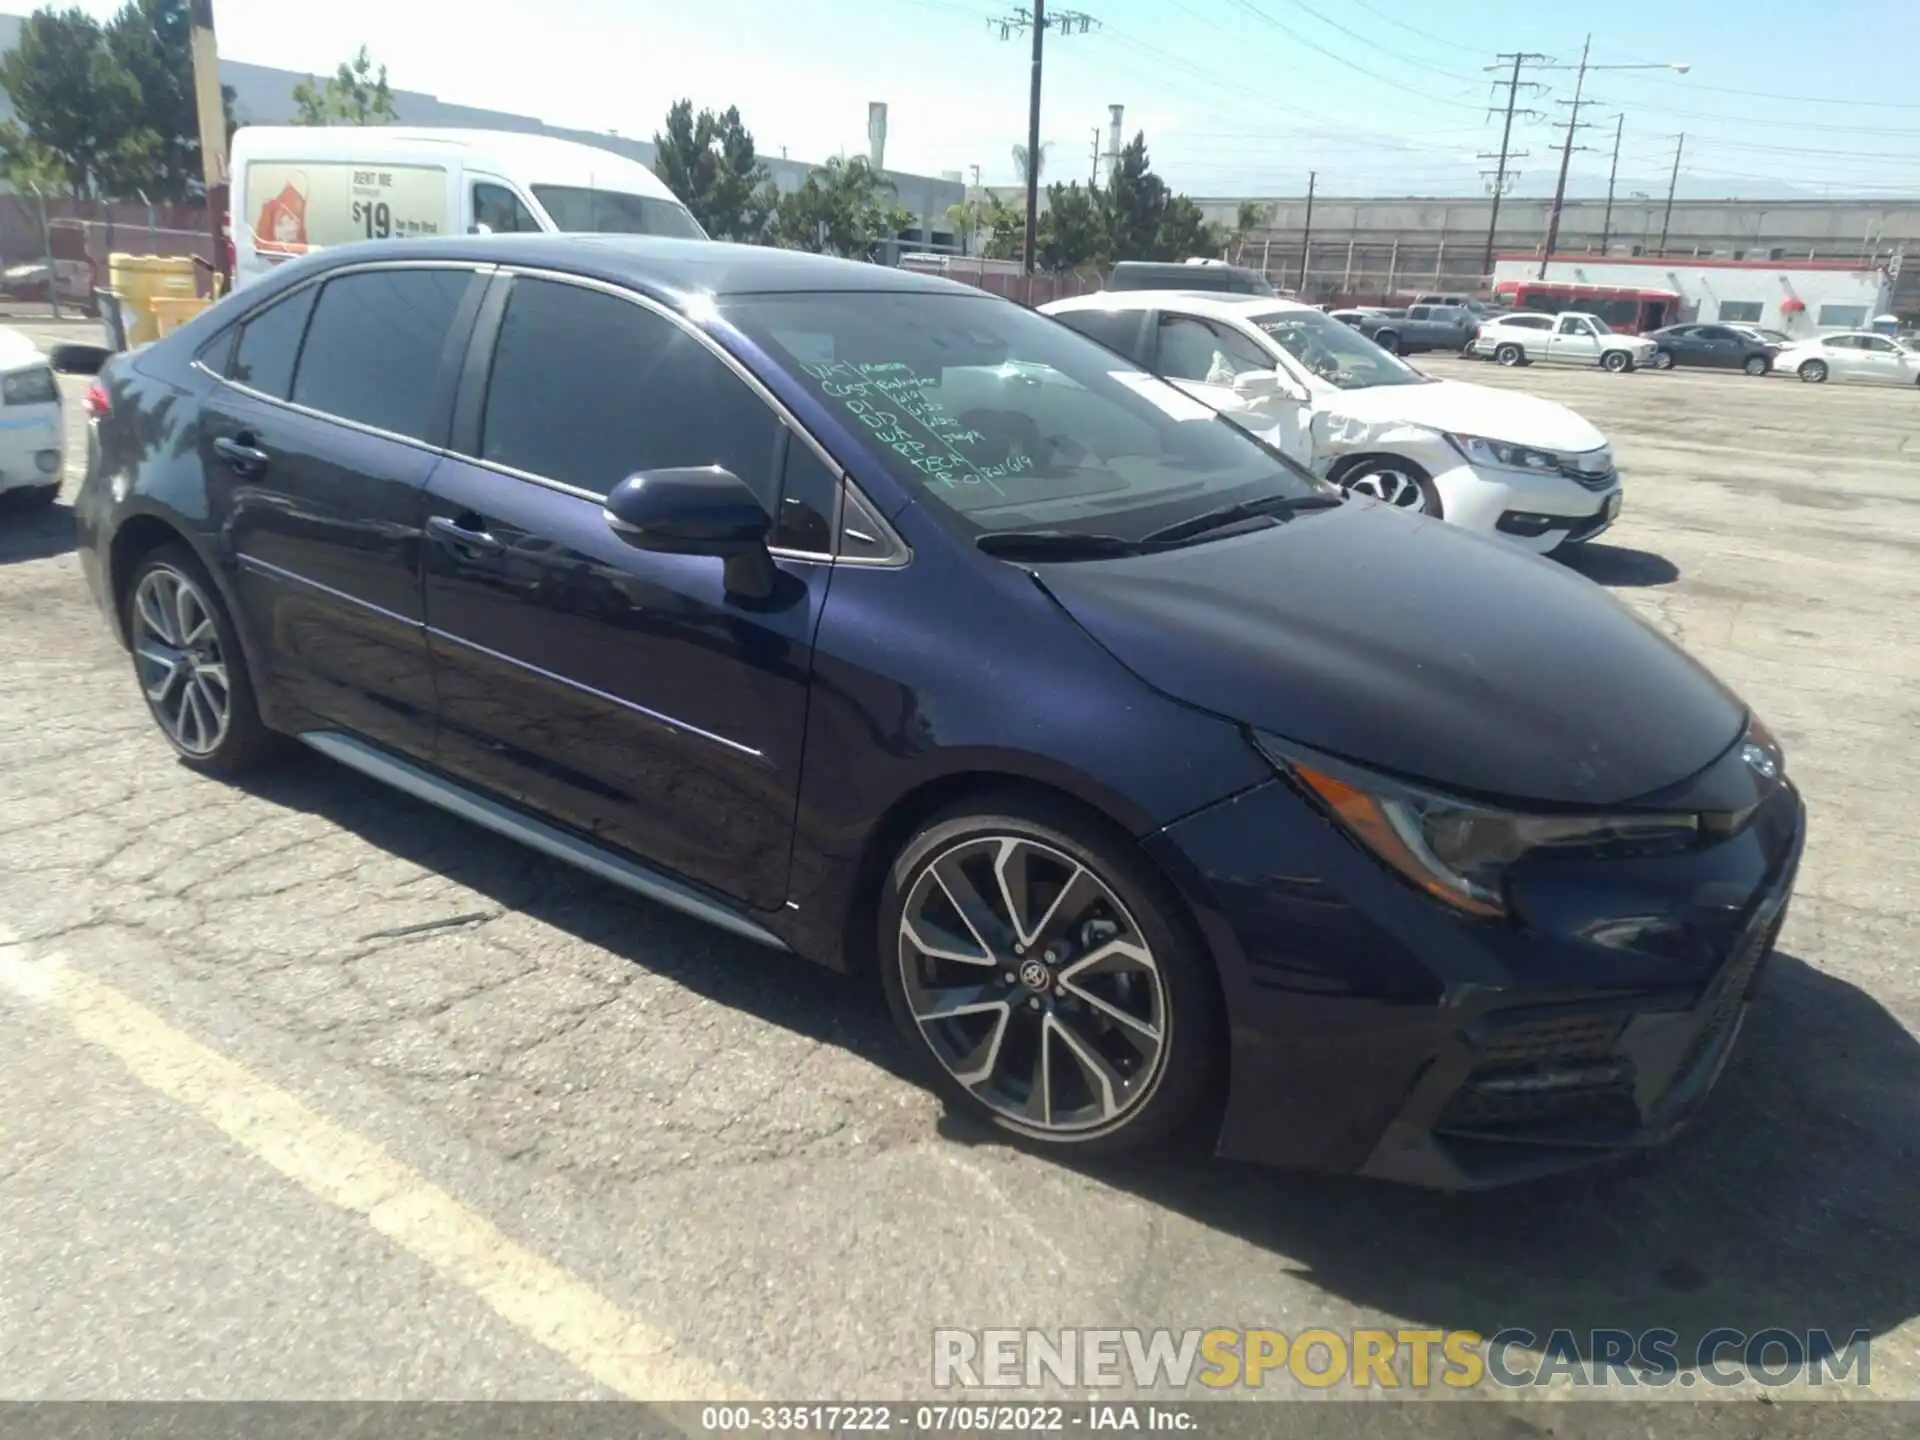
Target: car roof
{"x": 652, "y": 263}
{"x": 1220, "y": 304}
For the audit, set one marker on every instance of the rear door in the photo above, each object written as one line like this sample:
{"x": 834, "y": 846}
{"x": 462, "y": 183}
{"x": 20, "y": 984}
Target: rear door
{"x": 1720, "y": 347}
{"x": 1844, "y": 357}
{"x": 1575, "y": 340}
{"x": 317, "y": 447}
{"x": 626, "y": 693}
{"x": 1884, "y": 362}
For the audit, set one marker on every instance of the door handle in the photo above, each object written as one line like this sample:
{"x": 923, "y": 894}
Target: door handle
{"x": 243, "y": 456}
{"x": 466, "y": 533}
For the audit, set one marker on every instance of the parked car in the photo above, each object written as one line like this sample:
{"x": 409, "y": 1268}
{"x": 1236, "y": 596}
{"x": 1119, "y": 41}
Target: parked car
{"x": 1194, "y": 274}
{"x": 1525, "y": 469}
{"x": 874, "y": 618}
{"x": 1717, "y": 347}
{"x": 32, "y": 428}
{"x": 1425, "y": 327}
{"x": 297, "y": 188}
{"x": 1571, "y": 337}
{"x": 1761, "y": 332}
{"x": 1851, "y": 355}
{"x": 1479, "y": 308}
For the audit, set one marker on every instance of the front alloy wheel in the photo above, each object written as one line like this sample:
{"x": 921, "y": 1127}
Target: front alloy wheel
{"x": 1395, "y": 483}
{"x": 181, "y": 662}
{"x": 1044, "y": 979}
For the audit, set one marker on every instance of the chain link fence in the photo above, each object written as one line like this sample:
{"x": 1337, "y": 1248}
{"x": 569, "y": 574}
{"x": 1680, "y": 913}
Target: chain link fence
{"x": 54, "y": 251}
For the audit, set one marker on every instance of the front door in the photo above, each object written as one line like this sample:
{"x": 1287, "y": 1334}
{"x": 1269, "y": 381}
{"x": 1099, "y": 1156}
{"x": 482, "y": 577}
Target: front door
{"x": 626, "y": 693}
{"x": 1204, "y": 356}
{"x": 1574, "y": 339}
{"x": 317, "y": 445}
{"x": 1884, "y": 362}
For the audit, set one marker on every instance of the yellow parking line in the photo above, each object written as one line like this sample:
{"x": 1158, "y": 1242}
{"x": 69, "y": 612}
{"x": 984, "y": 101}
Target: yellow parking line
{"x": 528, "y": 1291}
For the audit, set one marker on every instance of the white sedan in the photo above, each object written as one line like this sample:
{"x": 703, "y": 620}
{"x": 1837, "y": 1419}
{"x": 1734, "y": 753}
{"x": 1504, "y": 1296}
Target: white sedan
{"x": 1498, "y": 461}
{"x": 31, "y": 428}
{"x": 1851, "y": 355}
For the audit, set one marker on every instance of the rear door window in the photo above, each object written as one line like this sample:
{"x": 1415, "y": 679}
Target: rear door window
{"x": 1116, "y": 329}
{"x": 587, "y": 388}
{"x": 377, "y": 346}
{"x": 270, "y": 343}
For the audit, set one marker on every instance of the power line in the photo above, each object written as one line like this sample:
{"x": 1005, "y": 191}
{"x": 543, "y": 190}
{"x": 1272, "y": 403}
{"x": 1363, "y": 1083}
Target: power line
{"x": 1374, "y": 44}
{"x": 1414, "y": 30}
{"x": 1339, "y": 59}
{"x": 1038, "y": 22}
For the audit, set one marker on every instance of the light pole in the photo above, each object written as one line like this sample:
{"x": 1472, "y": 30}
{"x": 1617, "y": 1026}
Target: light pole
{"x": 1573, "y": 124}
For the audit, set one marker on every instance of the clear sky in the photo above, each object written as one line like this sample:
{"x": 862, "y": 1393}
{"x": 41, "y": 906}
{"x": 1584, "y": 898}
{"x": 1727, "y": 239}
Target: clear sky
{"x": 1235, "y": 96}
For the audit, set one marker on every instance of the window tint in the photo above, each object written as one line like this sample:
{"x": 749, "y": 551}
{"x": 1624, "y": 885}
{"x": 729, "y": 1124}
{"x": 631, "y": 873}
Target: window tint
{"x": 588, "y": 388}
{"x": 1878, "y": 344}
{"x": 264, "y": 358}
{"x": 808, "y": 492}
{"x": 1116, "y": 329}
{"x": 374, "y": 349}
{"x": 1194, "y": 349}
{"x": 1418, "y": 312}
{"x": 500, "y": 210}
{"x": 612, "y": 212}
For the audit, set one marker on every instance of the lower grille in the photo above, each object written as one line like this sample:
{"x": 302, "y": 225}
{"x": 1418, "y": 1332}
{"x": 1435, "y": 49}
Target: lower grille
{"x": 1560, "y": 1067}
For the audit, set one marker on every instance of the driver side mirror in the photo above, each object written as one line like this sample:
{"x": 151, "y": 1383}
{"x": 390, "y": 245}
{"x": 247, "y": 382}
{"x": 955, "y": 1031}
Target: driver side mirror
{"x": 697, "y": 510}
{"x": 1256, "y": 385}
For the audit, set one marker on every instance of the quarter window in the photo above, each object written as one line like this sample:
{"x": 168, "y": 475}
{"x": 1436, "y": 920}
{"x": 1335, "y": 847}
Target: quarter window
{"x": 808, "y": 495}
{"x": 269, "y": 344}
{"x": 587, "y": 388}
{"x": 376, "y": 345}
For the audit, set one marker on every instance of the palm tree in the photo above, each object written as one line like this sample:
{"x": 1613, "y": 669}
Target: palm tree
{"x": 1020, "y": 162}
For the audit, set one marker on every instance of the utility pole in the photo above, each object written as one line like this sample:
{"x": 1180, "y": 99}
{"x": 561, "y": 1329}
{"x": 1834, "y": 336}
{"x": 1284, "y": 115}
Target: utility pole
{"x": 211, "y": 116}
{"x": 1093, "y": 177}
{"x": 1566, "y": 157}
{"x": 1506, "y": 140}
{"x": 1306, "y": 231}
{"x": 1606, "y": 224}
{"x": 1673, "y": 183}
{"x": 1068, "y": 22}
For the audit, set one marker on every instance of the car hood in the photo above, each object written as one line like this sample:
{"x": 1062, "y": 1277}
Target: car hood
{"x": 1455, "y": 407}
{"x": 1412, "y": 646}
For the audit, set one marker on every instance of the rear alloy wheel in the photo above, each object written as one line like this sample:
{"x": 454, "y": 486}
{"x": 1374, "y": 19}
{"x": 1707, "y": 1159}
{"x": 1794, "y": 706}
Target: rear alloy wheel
{"x": 1757, "y": 365}
{"x": 1510, "y": 354}
{"x": 1046, "y": 978}
{"x": 1814, "y": 372}
{"x": 1387, "y": 341}
{"x": 190, "y": 667}
{"x": 1663, "y": 360}
{"x": 1394, "y": 482}
{"x": 1616, "y": 362}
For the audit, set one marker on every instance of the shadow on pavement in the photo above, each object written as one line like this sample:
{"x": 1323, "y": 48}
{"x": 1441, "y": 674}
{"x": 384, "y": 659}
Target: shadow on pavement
{"x": 33, "y": 531}
{"x": 1789, "y": 1203}
{"x": 1618, "y": 565}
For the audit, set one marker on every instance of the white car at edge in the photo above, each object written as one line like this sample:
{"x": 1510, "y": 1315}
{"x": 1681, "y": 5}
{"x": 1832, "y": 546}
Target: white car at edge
{"x": 31, "y": 427}
{"x": 1528, "y": 470}
{"x": 1863, "y": 355}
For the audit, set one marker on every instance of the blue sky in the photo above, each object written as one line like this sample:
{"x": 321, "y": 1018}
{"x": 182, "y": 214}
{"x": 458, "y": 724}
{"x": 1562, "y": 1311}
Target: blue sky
{"x": 1236, "y": 96}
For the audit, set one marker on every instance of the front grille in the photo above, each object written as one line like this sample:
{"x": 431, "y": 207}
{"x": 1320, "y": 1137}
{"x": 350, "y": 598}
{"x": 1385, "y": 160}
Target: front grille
{"x": 1593, "y": 479}
{"x": 1724, "y": 1003}
{"x": 1560, "y": 1067}
{"x": 1609, "y": 1102}
{"x": 1556, "y": 1040}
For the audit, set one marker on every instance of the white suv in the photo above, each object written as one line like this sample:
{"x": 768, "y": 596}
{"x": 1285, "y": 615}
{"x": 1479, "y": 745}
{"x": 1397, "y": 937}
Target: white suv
{"x": 1571, "y": 337}
{"x": 1525, "y": 469}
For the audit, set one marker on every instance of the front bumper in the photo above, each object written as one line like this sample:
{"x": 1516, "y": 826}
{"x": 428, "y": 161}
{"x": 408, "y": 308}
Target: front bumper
{"x": 31, "y": 448}
{"x": 1537, "y": 511}
{"x": 1374, "y": 1030}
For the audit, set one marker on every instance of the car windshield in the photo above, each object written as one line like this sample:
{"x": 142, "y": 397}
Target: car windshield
{"x": 1010, "y": 421}
{"x": 1337, "y": 353}
{"x": 579, "y": 211}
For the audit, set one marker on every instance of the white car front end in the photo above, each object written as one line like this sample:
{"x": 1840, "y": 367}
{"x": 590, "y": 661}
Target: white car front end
{"x": 31, "y": 426}
{"x": 1528, "y": 470}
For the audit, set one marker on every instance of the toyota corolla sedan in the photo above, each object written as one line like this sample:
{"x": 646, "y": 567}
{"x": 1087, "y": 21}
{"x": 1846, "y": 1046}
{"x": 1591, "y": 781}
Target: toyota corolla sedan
{"x": 884, "y": 622}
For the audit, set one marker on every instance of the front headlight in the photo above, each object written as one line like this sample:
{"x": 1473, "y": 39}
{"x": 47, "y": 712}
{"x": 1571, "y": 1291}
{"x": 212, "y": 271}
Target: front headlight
{"x": 1499, "y": 455}
{"x": 1459, "y": 851}
{"x": 30, "y": 387}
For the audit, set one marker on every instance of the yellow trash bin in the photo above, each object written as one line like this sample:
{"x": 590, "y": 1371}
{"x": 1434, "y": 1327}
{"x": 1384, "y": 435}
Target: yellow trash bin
{"x": 172, "y": 311}
{"x": 140, "y": 281}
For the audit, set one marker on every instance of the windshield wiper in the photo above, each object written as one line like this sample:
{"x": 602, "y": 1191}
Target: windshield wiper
{"x": 1054, "y": 545}
{"x": 1278, "y": 506}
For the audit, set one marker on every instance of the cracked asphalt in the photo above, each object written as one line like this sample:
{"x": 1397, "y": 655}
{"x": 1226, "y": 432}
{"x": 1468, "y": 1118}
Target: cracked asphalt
{"x": 718, "y": 1143}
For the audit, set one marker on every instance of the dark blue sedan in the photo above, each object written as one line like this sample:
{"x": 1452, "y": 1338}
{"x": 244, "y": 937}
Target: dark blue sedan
{"x": 886, "y": 622}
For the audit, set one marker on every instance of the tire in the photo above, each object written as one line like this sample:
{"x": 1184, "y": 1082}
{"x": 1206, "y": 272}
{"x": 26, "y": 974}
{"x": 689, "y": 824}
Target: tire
{"x": 1814, "y": 372}
{"x": 1757, "y": 365}
{"x": 1395, "y": 482}
{"x": 182, "y": 650}
{"x": 1388, "y": 341}
{"x": 1663, "y": 359}
{"x": 1154, "y": 1038}
{"x": 1616, "y": 362}
{"x": 1509, "y": 354}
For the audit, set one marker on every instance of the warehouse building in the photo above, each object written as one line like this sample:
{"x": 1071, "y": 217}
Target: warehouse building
{"x": 1803, "y": 297}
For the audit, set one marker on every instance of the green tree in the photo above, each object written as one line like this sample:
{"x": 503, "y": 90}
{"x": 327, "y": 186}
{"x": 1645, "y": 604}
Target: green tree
{"x": 1184, "y": 231}
{"x": 355, "y": 94}
{"x": 152, "y": 41}
{"x": 1006, "y": 229}
{"x": 1073, "y": 232}
{"x": 709, "y": 161}
{"x": 844, "y": 207}
{"x": 1252, "y": 218}
{"x": 1134, "y": 201}
{"x": 77, "y": 112}
{"x": 1020, "y": 162}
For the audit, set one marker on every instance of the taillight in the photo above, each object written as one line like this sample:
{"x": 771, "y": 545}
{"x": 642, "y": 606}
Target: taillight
{"x": 97, "y": 402}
